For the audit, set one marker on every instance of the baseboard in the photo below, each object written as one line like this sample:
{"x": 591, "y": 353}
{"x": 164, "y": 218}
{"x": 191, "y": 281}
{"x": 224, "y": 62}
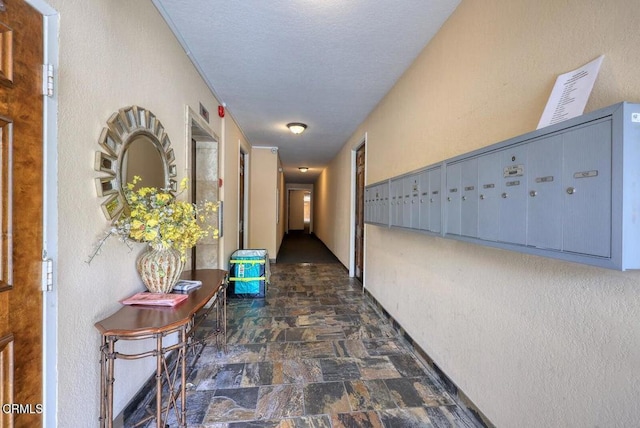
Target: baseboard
{"x": 448, "y": 384}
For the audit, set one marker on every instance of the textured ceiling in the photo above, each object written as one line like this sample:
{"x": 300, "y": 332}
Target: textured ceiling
{"x": 326, "y": 63}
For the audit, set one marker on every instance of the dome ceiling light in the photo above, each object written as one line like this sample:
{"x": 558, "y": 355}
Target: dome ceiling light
{"x": 296, "y": 127}
{"x": 303, "y": 169}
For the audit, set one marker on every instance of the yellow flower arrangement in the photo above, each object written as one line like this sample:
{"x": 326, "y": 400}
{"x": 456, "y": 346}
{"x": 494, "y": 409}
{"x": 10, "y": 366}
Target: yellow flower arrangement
{"x": 155, "y": 216}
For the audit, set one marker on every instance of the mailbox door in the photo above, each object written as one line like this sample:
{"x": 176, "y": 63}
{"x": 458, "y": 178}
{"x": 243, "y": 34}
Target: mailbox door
{"x": 413, "y": 184}
{"x": 384, "y": 213}
{"x": 513, "y": 202}
{"x": 489, "y": 179}
{"x": 396, "y": 198}
{"x": 469, "y": 198}
{"x": 452, "y": 199}
{"x": 435, "y": 200}
{"x": 544, "y": 189}
{"x": 423, "y": 200}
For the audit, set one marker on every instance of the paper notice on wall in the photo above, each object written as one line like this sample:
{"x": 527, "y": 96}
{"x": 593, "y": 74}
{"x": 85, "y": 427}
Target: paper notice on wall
{"x": 570, "y": 94}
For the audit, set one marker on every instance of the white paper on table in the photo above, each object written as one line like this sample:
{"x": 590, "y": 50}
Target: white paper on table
{"x": 570, "y": 94}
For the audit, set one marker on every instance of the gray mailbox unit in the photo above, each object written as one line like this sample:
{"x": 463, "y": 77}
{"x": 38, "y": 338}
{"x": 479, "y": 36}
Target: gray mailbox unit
{"x": 569, "y": 191}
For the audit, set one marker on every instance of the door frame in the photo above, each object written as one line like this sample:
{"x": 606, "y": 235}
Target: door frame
{"x": 204, "y": 134}
{"x": 51, "y": 25}
{"x": 352, "y": 210}
{"x": 294, "y": 186}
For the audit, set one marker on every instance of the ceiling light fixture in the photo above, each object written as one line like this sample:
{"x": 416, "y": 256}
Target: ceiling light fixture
{"x": 303, "y": 169}
{"x": 296, "y": 127}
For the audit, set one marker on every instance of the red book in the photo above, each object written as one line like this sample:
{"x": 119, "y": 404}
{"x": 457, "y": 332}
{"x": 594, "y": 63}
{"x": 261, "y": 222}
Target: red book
{"x": 154, "y": 299}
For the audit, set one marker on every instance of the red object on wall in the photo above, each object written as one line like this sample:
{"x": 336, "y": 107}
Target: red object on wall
{"x": 221, "y": 111}
{"x": 219, "y": 182}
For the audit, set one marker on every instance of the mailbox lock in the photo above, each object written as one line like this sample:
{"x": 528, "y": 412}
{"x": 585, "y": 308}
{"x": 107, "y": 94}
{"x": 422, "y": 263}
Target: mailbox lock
{"x": 449, "y": 198}
{"x": 464, "y": 198}
{"x": 481, "y": 196}
{"x": 571, "y": 190}
{"x": 431, "y": 200}
{"x": 533, "y": 193}
{"x": 504, "y": 196}
{"x": 421, "y": 201}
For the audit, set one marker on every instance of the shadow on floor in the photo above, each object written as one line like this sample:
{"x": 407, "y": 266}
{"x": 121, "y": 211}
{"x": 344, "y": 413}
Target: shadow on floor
{"x": 300, "y": 247}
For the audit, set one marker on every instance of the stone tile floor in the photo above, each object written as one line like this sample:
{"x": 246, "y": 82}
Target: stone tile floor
{"x": 315, "y": 353}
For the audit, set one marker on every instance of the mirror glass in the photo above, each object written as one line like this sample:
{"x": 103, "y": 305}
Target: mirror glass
{"x": 142, "y": 157}
{"x": 134, "y": 142}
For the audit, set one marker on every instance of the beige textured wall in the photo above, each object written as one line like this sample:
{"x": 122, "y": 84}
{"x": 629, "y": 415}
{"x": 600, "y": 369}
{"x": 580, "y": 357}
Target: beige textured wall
{"x": 532, "y": 341}
{"x": 263, "y": 213}
{"x": 112, "y": 54}
{"x": 332, "y": 221}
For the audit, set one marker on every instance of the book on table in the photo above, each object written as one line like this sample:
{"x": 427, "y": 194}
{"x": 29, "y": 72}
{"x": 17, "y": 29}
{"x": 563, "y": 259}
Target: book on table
{"x": 186, "y": 285}
{"x": 154, "y": 299}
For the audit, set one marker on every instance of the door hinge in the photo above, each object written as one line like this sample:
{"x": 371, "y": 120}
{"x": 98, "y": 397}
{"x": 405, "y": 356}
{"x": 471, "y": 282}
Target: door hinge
{"x": 47, "y": 80}
{"x": 47, "y": 272}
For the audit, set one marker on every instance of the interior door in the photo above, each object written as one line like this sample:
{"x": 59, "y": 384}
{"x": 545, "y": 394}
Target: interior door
{"x": 241, "y": 207}
{"x": 21, "y": 214}
{"x": 359, "y": 247}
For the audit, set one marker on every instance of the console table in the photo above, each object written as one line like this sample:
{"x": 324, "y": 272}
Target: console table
{"x": 154, "y": 322}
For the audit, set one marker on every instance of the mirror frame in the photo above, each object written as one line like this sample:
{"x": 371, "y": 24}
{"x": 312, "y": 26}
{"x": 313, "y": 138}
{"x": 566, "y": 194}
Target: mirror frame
{"x": 123, "y": 127}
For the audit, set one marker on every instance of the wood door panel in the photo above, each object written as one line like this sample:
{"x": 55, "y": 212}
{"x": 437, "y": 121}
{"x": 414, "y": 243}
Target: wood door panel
{"x": 6, "y": 378}
{"x": 21, "y": 101}
{"x": 6, "y": 211}
{"x": 6, "y": 55}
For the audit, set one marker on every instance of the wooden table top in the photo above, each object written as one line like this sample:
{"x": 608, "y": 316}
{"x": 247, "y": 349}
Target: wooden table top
{"x": 138, "y": 320}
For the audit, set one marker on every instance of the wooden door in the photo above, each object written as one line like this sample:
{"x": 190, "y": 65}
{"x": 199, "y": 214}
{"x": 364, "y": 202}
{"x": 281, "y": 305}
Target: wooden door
{"x": 241, "y": 205}
{"x": 359, "y": 247}
{"x": 21, "y": 126}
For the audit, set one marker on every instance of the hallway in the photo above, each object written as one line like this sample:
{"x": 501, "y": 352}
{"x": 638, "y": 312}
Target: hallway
{"x": 303, "y": 247}
{"x": 315, "y": 353}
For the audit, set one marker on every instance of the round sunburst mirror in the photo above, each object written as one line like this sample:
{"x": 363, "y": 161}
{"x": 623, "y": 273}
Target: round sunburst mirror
{"x": 134, "y": 142}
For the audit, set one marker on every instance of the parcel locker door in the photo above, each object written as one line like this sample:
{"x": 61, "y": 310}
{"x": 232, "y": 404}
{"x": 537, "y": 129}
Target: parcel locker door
{"x": 586, "y": 183}
{"x": 435, "y": 200}
{"x": 469, "y": 199}
{"x": 489, "y": 179}
{"x": 452, "y": 199}
{"x": 544, "y": 189}
{"x": 513, "y": 196}
{"x": 423, "y": 183}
